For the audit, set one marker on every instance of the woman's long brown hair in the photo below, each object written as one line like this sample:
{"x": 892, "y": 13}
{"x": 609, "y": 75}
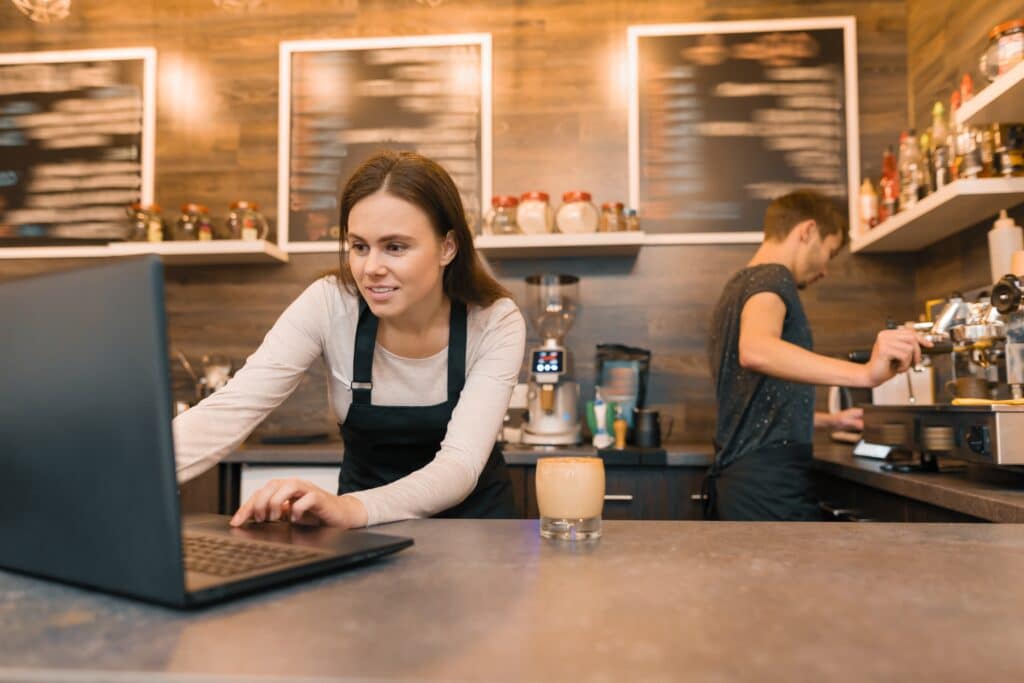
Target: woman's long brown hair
{"x": 423, "y": 183}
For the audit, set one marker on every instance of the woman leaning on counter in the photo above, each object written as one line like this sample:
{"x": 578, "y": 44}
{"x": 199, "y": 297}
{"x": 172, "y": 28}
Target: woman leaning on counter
{"x": 423, "y": 348}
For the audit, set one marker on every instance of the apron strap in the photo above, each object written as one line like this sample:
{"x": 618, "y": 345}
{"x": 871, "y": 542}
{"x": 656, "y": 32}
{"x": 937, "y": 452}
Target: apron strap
{"x": 456, "y": 352}
{"x": 362, "y": 362}
{"x": 366, "y": 340}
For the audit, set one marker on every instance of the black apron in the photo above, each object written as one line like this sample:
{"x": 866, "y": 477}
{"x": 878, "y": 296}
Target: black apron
{"x": 385, "y": 443}
{"x": 771, "y": 484}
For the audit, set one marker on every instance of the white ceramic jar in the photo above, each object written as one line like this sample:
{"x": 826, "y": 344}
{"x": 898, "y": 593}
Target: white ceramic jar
{"x": 577, "y": 213}
{"x": 534, "y": 213}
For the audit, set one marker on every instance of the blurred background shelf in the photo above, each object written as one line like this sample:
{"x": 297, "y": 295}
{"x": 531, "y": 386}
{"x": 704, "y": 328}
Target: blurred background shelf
{"x": 955, "y": 207}
{"x": 1001, "y": 102}
{"x": 172, "y": 253}
{"x": 557, "y": 244}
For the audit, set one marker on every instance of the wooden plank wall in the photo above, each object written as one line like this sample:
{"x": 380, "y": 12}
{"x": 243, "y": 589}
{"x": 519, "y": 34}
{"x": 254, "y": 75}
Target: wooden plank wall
{"x": 945, "y": 38}
{"x": 559, "y": 123}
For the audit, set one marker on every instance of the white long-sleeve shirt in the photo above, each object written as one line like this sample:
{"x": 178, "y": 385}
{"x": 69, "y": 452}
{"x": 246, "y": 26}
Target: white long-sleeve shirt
{"x": 321, "y": 323}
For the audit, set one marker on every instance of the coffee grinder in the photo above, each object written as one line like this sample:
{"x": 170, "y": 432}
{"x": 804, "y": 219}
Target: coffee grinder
{"x": 553, "y": 395}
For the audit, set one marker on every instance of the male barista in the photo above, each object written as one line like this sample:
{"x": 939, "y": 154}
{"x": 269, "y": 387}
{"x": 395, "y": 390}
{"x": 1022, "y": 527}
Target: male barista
{"x": 764, "y": 369}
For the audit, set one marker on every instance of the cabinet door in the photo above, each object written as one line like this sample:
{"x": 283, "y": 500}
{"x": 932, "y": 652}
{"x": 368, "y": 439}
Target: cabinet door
{"x": 865, "y": 503}
{"x": 639, "y": 492}
{"x": 518, "y": 477}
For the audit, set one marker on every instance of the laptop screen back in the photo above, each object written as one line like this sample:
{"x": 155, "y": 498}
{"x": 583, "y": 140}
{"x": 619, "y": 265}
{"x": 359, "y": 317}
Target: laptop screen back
{"x": 87, "y": 485}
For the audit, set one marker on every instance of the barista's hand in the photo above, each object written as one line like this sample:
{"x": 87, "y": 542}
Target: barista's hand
{"x": 895, "y": 351}
{"x": 300, "y": 502}
{"x": 851, "y": 419}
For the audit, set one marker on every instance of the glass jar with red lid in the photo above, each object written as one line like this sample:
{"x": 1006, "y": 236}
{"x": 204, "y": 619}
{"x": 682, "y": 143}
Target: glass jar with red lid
{"x": 191, "y": 221}
{"x": 245, "y": 222}
{"x": 577, "y": 213}
{"x": 145, "y": 223}
{"x": 1005, "y": 49}
{"x": 534, "y": 214}
{"x": 501, "y": 218}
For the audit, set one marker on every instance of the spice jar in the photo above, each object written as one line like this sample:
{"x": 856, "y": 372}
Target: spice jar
{"x": 576, "y": 214}
{"x": 1010, "y": 151}
{"x": 1005, "y": 49}
{"x": 145, "y": 223}
{"x": 612, "y": 218}
{"x": 501, "y": 219}
{"x": 534, "y": 214}
{"x": 245, "y": 222}
{"x": 632, "y": 220}
{"x": 188, "y": 225}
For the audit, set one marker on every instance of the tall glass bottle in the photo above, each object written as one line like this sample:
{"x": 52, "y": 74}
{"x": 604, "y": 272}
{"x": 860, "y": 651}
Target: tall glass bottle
{"x": 939, "y": 147}
{"x": 889, "y": 184}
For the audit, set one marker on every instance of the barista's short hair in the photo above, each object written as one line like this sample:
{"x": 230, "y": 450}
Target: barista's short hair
{"x": 789, "y": 210}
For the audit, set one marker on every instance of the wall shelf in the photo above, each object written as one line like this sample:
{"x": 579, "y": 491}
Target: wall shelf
{"x": 172, "y": 253}
{"x": 556, "y": 245}
{"x": 956, "y": 206}
{"x": 1002, "y": 101}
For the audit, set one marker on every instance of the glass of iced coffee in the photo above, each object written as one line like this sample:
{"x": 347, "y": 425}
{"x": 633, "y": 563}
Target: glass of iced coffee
{"x": 570, "y": 495}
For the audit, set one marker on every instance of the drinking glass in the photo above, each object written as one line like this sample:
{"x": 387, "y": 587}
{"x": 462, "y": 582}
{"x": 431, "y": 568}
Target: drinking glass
{"x": 570, "y": 495}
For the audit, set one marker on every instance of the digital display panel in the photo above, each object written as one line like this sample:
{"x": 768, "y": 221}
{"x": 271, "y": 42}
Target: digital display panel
{"x": 549, "y": 360}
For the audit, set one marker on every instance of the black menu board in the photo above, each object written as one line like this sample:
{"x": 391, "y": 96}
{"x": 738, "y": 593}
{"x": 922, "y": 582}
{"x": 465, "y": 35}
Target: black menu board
{"x": 725, "y": 116}
{"x": 76, "y": 143}
{"x": 343, "y": 100}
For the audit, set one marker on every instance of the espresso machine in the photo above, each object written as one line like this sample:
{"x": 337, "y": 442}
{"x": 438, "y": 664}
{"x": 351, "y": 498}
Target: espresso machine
{"x": 984, "y": 344}
{"x": 553, "y": 396}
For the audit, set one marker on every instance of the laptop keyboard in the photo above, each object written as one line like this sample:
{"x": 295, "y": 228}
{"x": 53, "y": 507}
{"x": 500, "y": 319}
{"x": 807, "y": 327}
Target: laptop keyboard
{"x": 222, "y": 556}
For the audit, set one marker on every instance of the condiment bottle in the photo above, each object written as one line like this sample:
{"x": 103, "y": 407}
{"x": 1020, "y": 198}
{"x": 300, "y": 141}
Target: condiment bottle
{"x": 968, "y": 140}
{"x": 868, "y": 206}
{"x": 1005, "y": 238}
{"x": 889, "y": 185}
{"x": 619, "y": 426}
{"x": 939, "y": 147}
{"x": 1011, "y": 151}
{"x": 632, "y": 220}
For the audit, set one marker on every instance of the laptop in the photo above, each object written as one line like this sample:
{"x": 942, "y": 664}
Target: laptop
{"x": 88, "y": 493}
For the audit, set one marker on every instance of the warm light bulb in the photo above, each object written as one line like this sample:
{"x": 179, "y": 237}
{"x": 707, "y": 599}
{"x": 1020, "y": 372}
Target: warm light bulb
{"x": 44, "y": 11}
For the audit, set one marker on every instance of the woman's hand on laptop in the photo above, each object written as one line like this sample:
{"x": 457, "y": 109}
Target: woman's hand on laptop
{"x": 300, "y": 502}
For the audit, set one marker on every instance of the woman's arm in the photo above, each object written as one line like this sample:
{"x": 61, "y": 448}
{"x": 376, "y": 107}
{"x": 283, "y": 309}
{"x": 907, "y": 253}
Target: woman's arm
{"x": 452, "y": 475}
{"x": 205, "y": 433}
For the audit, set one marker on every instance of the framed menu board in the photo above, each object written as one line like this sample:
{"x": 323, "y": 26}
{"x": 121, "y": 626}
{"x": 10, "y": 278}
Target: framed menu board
{"x": 726, "y": 116}
{"x": 342, "y": 100}
{"x": 76, "y": 143}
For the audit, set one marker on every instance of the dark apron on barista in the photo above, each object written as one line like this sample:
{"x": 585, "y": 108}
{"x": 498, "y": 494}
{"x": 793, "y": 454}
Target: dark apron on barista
{"x": 772, "y": 483}
{"x": 385, "y": 443}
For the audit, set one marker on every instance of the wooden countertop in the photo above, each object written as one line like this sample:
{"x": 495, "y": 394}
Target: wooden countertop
{"x": 677, "y": 454}
{"x": 479, "y": 600}
{"x": 994, "y": 494}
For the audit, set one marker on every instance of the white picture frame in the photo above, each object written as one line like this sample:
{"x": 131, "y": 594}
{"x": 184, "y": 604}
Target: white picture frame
{"x": 147, "y": 58}
{"x": 745, "y": 233}
{"x": 478, "y": 84}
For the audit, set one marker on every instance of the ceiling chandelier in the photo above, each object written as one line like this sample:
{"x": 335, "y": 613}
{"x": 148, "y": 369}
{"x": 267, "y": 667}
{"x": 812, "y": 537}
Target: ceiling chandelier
{"x": 44, "y": 11}
{"x": 238, "y": 5}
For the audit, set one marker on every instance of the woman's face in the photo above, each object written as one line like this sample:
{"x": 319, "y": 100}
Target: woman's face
{"x": 396, "y": 257}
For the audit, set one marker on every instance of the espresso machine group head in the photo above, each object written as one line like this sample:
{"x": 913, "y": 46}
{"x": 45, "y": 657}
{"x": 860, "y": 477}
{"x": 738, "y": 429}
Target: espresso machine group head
{"x": 552, "y": 303}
